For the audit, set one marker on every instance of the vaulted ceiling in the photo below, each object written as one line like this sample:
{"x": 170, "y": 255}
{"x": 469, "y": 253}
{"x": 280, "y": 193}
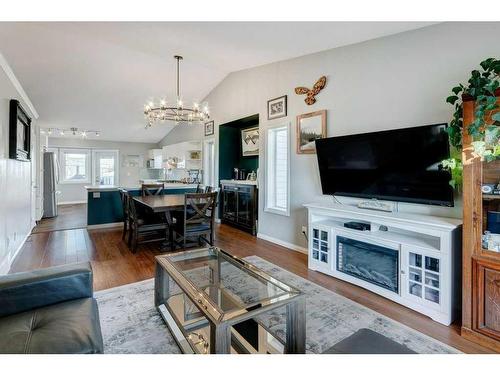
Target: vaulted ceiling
{"x": 99, "y": 75}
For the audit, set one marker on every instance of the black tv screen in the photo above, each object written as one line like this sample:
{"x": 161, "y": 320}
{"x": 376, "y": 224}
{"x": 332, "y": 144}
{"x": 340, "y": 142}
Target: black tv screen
{"x": 396, "y": 165}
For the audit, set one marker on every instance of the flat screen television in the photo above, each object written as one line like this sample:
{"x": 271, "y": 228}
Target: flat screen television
{"x": 396, "y": 165}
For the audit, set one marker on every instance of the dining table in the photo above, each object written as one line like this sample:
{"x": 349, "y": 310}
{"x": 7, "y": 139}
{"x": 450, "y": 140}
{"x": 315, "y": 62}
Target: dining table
{"x": 162, "y": 204}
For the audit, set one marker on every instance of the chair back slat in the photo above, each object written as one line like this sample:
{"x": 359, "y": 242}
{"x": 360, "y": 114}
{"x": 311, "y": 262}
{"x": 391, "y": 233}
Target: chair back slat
{"x": 124, "y": 197}
{"x": 152, "y": 189}
{"x": 132, "y": 210}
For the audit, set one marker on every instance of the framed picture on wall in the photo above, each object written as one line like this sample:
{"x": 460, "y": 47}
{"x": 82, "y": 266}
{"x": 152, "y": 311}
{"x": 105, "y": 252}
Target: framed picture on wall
{"x": 19, "y": 132}
{"x": 250, "y": 141}
{"x": 310, "y": 126}
{"x": 209, "y": 128}
{"x": 276, "y": 108}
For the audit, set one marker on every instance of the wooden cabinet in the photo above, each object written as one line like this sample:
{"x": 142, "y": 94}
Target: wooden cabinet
{"x": 239, "y": 206}
{"x": 487, "y": 290}
{"x": 481, "y": 257}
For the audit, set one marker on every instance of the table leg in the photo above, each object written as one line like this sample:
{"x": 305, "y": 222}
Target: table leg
{"x": 162, "y": 284}
{"x": 296, "y": 327}
{"x": 220, "y": 338}
{"x": 169, "y": 243}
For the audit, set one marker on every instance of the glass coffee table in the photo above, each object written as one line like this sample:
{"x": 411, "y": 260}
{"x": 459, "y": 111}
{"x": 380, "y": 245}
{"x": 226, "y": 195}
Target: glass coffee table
{"x": 213, "y": 302}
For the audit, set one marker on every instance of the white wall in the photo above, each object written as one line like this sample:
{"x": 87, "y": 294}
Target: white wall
{"x": 128, "y": 176}
{"x": 387, "y": 83}
{"x": 183, "y": 133}
{"x": 16, "y": 219}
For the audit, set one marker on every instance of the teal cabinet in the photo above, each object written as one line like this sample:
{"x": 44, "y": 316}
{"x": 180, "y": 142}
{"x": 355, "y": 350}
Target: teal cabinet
{"x": 106, "y": 206}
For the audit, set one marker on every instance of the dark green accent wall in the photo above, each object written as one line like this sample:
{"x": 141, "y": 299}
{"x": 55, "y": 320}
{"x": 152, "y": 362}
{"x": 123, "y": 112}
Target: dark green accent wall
{"x": 230, "y": 154}
{"x": 108, "y": 208}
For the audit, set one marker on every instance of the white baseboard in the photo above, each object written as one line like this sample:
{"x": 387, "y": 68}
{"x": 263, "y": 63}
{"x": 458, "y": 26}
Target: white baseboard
{"x": 70, "y": 202}
{"x": 218, "y": 221}
{"x": 277, "y": 241}
{"x": 105, "y": 226}
{"x": 6, "y": 264}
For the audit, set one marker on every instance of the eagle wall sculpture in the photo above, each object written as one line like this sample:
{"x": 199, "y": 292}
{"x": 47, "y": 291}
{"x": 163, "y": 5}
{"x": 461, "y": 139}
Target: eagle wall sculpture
{"x": 311, "y": 93}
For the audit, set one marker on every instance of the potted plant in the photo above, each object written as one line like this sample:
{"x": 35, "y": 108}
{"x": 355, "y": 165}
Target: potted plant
{"x": 482, "y": 87}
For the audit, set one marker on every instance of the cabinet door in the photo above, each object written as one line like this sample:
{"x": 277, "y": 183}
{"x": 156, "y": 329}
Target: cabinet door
{"x": 424, "y": 278}
{"x": 229, "y": 204}
{"x": 320, "y": 250}
{"x": 245, "y": 207}
{"x": 487, "y": 299}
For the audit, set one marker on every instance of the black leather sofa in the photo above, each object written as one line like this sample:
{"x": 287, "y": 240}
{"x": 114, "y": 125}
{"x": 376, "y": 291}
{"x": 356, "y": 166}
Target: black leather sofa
{"x": 50, "y": 311}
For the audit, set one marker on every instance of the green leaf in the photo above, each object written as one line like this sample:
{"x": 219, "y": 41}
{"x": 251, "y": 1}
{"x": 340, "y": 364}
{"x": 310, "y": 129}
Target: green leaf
{"x": 456, "y": 90}
{"x": 486, "y": 64}
{"x": 496, "y": 116}
{"x": 452, "y": 99}
{"x": 491, "y": 100}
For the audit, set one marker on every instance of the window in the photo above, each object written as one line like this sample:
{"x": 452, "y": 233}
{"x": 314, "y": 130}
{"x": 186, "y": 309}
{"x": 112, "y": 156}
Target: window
{"x": 278, "y": 170}
{"x": 75, "y": 165}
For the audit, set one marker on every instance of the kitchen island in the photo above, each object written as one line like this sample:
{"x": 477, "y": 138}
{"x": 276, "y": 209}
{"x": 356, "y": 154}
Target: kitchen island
{"x": 104, "y": 207}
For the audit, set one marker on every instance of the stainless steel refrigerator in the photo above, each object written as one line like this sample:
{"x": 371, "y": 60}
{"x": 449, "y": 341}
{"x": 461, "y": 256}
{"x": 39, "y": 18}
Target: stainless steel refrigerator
{"x": 50, "y": 181}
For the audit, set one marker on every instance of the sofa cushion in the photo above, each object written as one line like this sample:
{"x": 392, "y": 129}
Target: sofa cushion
{"x": 366, "y": 341}
{"x": 67, "y": 327}
{"x": 26, "y": 291}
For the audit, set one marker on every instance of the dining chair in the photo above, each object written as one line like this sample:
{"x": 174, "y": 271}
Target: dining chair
{"x": 124, "y": 197}
{"x": 201, "y": 189}
{"x": 145, "y": 228}
{"x": 196, "y": 220}
{"x": 152, "y": 189}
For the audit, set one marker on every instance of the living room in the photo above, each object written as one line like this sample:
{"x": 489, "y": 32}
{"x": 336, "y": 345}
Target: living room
{"x": 249, "y": 187}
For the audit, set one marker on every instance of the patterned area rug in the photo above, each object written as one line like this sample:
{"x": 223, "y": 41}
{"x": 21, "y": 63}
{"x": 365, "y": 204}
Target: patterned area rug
{"x": 131, "y": 324}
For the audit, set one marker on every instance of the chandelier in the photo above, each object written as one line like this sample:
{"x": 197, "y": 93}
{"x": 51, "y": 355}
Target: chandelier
{"x": 162, "y": 111}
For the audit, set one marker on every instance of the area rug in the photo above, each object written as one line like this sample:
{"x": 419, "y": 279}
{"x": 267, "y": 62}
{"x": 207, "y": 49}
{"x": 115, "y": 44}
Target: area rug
{"x": 131, "y": 324}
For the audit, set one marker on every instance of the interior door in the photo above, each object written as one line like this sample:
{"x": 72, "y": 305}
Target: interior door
{"x": 105, "y": 167}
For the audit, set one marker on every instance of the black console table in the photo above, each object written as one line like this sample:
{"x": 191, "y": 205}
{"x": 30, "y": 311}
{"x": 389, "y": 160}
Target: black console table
{"x": 239, "y": 205}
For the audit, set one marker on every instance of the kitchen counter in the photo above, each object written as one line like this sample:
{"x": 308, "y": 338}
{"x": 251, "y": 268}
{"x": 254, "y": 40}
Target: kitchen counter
{"x": 240, "y": 182}
{"x": 91, "y": 188}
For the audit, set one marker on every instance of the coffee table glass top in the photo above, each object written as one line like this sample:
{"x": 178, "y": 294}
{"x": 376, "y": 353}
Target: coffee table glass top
{"x": 228, "y": 285}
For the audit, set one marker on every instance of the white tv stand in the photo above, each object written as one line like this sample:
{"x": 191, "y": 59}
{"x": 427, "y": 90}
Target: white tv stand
{"x": 414, "y": 260}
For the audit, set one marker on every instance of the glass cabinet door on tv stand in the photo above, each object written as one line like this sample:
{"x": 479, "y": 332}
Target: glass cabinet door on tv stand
{"x": 321, "y": 244}
{"x": 424, "y": 278}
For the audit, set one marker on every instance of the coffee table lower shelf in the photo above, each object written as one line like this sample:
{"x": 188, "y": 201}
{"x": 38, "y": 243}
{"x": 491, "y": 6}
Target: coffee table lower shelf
{"x": 194, "y": 338}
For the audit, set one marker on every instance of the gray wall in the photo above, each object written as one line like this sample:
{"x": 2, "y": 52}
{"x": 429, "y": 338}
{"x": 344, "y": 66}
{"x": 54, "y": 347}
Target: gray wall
{"x": 129, "y": 176}
{"x": 387, "y": 83}
{"x": 16, "y": 219}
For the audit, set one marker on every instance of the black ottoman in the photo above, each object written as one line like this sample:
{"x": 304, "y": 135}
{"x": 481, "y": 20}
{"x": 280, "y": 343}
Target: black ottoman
{"x": 366, "y": 341}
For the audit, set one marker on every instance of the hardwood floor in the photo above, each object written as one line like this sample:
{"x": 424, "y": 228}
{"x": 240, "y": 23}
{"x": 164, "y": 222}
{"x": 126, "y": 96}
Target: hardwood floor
{"x": 114, "y": 265}
{"x": 69, "y": 216}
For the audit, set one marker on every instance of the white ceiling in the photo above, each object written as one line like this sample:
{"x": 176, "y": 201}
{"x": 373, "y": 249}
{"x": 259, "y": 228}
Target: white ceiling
{"x": 99, "y": 75}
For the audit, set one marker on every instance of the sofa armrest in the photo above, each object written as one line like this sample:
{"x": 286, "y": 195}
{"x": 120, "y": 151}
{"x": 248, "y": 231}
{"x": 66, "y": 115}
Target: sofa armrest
{"x": 29, "y": 290}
